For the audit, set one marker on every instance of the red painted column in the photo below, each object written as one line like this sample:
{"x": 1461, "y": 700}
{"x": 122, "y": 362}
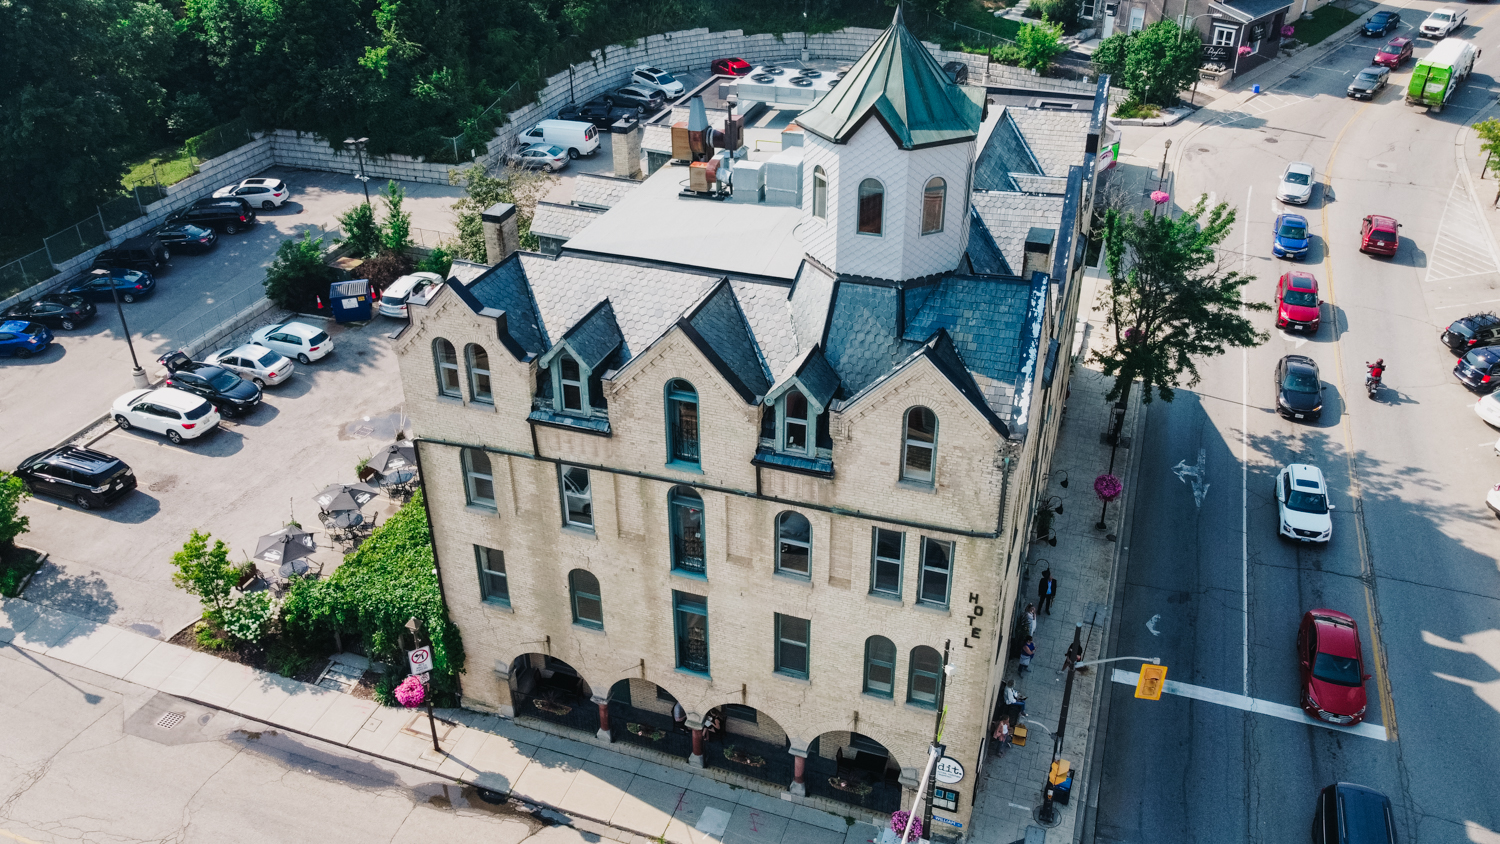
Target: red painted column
{"x": 698, "y": 742}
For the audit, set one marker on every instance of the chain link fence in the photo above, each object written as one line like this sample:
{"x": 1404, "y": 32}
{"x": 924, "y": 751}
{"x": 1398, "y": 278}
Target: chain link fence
{"x": 24, "y": 272}
{"x": 219, "y": 140}
{"x": 430, "y": 239}
{"x": 209, "y": 325}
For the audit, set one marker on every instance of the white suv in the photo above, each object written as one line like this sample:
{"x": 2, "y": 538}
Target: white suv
{"x": 177, "y": 414}
{"x": 1302, "y": 504}
{"x": 657, "y": 79}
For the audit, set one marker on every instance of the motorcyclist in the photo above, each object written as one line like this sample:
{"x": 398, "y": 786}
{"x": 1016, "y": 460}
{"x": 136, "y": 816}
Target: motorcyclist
{"x": 1376, "y": 369}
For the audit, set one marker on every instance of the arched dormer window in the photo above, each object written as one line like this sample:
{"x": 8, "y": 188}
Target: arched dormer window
{"x": 479, "y": 374}
{"x": 933, "y": 197}
{"x": 820, "y": 193}
{"x": 871, "y": 207}
{"x": 682, "y": 423}
{"x": 919, "y": 445}
{"x": 572, "y": 389}
{"x": 797, "y": 424}
{"x": 446, "y": 359}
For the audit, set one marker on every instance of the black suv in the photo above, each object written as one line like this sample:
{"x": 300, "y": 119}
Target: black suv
{"x": 1471, "y": 332}
{"x": 648, "y": 100}
{"x": 56, "y": 311}
{"x": 85, "y": 477}
{"x": 597, "y": 111}
{"x": 186, "y": 238}
{"x": 231, "y": 394}
{"x": 143, "y": 252}
{"x": 226, "y": 215}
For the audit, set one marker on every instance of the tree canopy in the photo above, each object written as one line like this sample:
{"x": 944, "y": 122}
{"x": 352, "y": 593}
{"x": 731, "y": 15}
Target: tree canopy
{"x": 1154, "y": 64}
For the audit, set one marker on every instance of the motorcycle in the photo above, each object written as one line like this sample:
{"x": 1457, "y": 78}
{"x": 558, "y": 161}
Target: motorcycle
{"x": 1372, "y": 381}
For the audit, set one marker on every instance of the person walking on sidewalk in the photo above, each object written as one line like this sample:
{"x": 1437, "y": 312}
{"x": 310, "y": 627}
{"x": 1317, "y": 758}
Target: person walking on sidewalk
{"x": 1046, "y": 591}
{"x": 1028, "y": 651}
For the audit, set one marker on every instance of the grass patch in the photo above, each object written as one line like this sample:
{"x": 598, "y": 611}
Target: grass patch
{"x": 1325, "y": 22}
{"x": 16, "y": 564}
{"x": 163, "y": 167}
{"x": 1137, "y": 111}
{"x": 969, "y": 13}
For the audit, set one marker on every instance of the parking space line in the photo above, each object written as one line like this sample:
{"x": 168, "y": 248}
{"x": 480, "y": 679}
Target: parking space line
{"x": 1250, "y": 704}
{"x": 1463, "y": 246}
{"x": 1469, "y": 305}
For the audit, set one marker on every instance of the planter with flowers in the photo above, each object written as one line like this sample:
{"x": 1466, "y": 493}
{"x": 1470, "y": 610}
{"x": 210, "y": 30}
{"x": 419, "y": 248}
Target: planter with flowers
{"x": 645, "y": 732}
{"x": 734, "y": 754}
{"x": 898, "y": 824}
{"x": 852, "y": 786}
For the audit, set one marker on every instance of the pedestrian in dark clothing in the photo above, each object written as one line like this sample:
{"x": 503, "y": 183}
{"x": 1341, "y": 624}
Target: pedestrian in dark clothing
{"x": 1046, "y": 591}
{"x": 1075, "y": 653}
{"x": 679, "y": 717}
{"x": 1028, "y": 651}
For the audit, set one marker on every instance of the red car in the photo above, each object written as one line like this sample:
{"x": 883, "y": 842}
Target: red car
{"x": 1377, "y": 235}
{"x": 1394, "y": 53}
{"x": 740, "y": 67}
{"x": 1333, "y": 672}
{"x": 1297, "y": 305}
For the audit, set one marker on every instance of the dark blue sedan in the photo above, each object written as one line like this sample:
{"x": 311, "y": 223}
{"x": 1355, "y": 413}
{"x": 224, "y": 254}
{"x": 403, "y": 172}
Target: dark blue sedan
{"x": 23, "y": 339}
{"x": 1382, "y": 23}
{"x": 132, "y": 284}
{"x": 1291, "y": 237}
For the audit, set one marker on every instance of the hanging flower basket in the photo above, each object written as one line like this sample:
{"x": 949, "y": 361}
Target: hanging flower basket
{"x": 551, "y": 706}
{"x": 1288, "y": 31}
{"x": 411, "y": 692}
{"x": 734, "y": 754}
{"x": 1160, "y": 196}
{"x": 1108, "y": 487}
{"x": 1244, "y": 49}
{"x": 898, "y": 824}
{"x": 851, "y": 786}
{"x": 644, "y": 731}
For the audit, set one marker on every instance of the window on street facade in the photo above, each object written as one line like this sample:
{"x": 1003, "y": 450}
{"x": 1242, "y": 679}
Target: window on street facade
{"x": 479, "y": 481}
{"x": 1224, "y": 36}
{"x": 570, "y": 384}
{"x": 583, "y": 592}
{"x": 690, "y": 619}
{"x": 924, "y": 676}
{"x": 820, "y": 193}
{"x": 447, "y": 368}
{"x": 793, "y": 544}
{"x": 919, "y": 445}
{"x": 682, "y": 422}
{"x": 578, "y": 497}
{"x": 871, "y": 207}
{"x": 494, "y": 586}
{"x": 880, "y": 667}
{"x": 796, "y": 426}
{"x": 479, "y": 375}
{"x": 886, "y": 562}
{"x": 792, "y": 641}
{"x": 933, "y": 197}
{"x": 687, "y": 530}
{"x": 937, "y": 572}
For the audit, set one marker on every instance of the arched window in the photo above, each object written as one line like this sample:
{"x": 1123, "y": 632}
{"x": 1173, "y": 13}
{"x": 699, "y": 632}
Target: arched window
{"x": 583, "y": 592}
{"x": 479, "y": 374}
{"x": 479, "y": 480}
{"x": 924, "y": 676}
{"x": 682, "y": 422}
{"x": 793, "y": 544}
{"x": 796, "y": 427}
{"x": 447, "y": 368}
{"x": 871, "y": 207}
{"x": 820, "y": 193}
{"x": 687, "y": 530}
{"x": 571, "y": 378}
{"x": 919, "y": 445}
{"x": 933, "y": 197}
{"x": 880, "y": 667}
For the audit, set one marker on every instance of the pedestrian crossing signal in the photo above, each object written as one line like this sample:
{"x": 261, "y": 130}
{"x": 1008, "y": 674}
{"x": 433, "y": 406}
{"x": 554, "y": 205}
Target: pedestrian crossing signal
{"x": 1153, "y": 678}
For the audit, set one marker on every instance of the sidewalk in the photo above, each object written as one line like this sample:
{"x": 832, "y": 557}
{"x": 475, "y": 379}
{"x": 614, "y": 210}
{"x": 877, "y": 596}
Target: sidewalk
{"x": 1083, "y": 562}
{"x": 612, "y": 795}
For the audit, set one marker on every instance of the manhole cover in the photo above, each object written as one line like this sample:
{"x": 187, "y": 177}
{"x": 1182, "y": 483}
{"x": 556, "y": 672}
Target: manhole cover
{"x": 1269, "y": 140}
{"x": 363, "y": 431}
{"x": 168, "y": 720}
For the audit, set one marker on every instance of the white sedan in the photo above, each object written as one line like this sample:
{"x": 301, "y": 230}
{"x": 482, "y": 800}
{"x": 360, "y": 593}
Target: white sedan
{"x": 1488, "y": 409}
{"x": 1296, "y": 184}
{"x": 260, "y": 193}
{"x": 254, "y": 363}
{"x": 297, "y": 340}
{"x": 177, "y": 414}
{"x": 1493, "y": 499}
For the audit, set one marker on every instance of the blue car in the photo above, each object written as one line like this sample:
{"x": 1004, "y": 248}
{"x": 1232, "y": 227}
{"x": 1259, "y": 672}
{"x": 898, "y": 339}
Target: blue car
{"x": 1290, "y": 240}
{"x": 23, "y": 339}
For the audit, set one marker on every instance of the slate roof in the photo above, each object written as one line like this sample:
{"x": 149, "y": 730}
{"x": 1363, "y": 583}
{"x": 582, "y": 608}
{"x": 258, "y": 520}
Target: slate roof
{"x": 719, "y": 328}
{"x": 864, "y": 337}
{"x": 1057, "y": 138}
{"x": 812, "y": 370}
{"x": 984, "y": 253}
{"x": 898, "y": 82}
{"x": 769, "y": 313}
{"x": 592, "y": 190}
{"x": 503, "y": 291}
{"x": 595, "y": 337}
{"x": 1009, "y": 216}
{"x": 1026, "y": 184}
{"x": 986, "y": 319}
{"x": 1005, "y": 152}
{"x": 561, "y": 221}
{"x": 1249, "y": 10}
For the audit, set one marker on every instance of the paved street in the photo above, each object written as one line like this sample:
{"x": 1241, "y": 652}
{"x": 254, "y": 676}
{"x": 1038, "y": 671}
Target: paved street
{"x": 1213, "y": 591}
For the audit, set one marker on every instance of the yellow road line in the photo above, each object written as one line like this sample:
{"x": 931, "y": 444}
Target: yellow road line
{"x": 1367, "y": 568}
{"x": 14, "y": 837}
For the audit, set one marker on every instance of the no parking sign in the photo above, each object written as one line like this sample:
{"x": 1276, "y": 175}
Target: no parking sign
{"x": 420, "y": 659}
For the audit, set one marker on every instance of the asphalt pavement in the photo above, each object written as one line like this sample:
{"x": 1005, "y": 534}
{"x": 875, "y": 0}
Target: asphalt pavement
{"x": 1211, "y": 588}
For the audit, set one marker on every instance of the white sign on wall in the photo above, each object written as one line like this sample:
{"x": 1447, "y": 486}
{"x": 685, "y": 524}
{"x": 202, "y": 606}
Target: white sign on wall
{"x": 949, "y": 770}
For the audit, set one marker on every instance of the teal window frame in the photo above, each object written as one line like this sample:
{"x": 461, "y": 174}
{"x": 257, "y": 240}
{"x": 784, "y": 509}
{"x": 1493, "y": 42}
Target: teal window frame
{"x": 474, "y": 480}
{"x": 910, "y": 445}
{"x": 809, "y": 418}
{"x": 789, "y": 648}
{"x": 931, "y": 571}
{"x": 572, "y": 495}
{"x": 682, "y": 502}
{"x": 931, "y": 671}
{"x": 878, "y": 560}
{"x": 788, "y": 544}
{"x": 579, "y": 594}
{"x": 680, "y": 394}
{"x": 494, "y": 585}
{"x": 560, "y": 385}
{"x": 445, "y": 361}
{"x": 884, "y": 661}
{"x": 481, "y": 384}
{"x": 685, "y": 608}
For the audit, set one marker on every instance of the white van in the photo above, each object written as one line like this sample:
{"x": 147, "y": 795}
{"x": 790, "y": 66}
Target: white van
{"x": 577, "y": 137}
{"x": 417, "y": 287}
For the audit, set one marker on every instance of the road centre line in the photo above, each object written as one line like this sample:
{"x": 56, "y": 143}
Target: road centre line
{"x": 1250, "y": 704}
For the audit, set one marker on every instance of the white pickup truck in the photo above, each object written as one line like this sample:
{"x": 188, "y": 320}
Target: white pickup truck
{"x": 1443, "y": 22}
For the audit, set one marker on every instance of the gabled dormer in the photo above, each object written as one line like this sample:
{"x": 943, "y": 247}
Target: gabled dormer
{"x": 570, "y": 386}
{"x": 794, "y": 418}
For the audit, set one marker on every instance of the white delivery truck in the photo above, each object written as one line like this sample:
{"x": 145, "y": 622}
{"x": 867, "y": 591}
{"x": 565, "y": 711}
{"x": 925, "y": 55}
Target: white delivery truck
{"x": 575, "y": 136}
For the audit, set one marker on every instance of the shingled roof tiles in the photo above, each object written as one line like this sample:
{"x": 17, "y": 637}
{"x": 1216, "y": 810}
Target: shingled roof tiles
{"x": 505, "y": 288}
{"x": 812, "y": 295}
{"x": 984, "y": 253}
{"x": 561, "y": 221}
{"x": 718, "y": 322}
{"x": 1005, "y": 153}
{"x": 1009, "y": 216}
{"x": 863, "y": 339}
{"x": 595, "y": 337}
{"x": 1057, "y": 138}
{"x": 595, "y": 191}
{"x": 769, "y": 314}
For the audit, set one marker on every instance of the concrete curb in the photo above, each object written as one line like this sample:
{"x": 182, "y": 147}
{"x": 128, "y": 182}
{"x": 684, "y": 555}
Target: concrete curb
{"x": 1177, "y": 116}
{"x": 41, "y": 561}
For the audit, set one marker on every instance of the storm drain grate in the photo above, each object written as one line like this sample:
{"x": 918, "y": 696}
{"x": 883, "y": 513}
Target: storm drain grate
{"x": 168, "y": 720}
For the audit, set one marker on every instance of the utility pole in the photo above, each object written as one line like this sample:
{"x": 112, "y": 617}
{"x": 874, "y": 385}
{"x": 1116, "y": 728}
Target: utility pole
{"x": 136, "y": 372}
{"x": 359, "y": 150}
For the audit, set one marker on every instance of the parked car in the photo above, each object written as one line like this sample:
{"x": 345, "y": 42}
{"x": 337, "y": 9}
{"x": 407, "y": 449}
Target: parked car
{"x": 1472, "y": 331}
{"x": 83, "y": 476}
{"x": 1488, "y": 409}
{"x": 575, "y": 136}
{"x": 229, "y": 217}
{"x": 96, "y": 286}
{"x": 417, "y": 287}
{"x": 1394, "y": 53}
{"x": 1444, "y": 22}
{"x": 1299, "y": 389}
{"x": 1302, "y": 504}
{"x": 1479, "y": 369}
{"x": 185, "y": 237}
{"x": 256, "y": 364}
{"x": 1382, "y": 23}
{"x": 1378, "y": 235}
{"x": 231, "y": 394}
{"x": 1298, "y": 307}
{"x": 1369, "y": 82}
{"x": 648, "y": 100}
{"x": 209, "y": 201}
{"x": 260, "y": 193}
{"x": 1290, "y": 239}
{"x": 21, "y": 339}
{"x": 1492, "y": 500}
{"x": 539, "y": 157}
{"x": 1332, "y": 668}
{"x": 597, "y": 111}
{"x": 1352, "y": 814}
{"x": 58, "y": 310}
{"x": 957, "y": 73}
{"x": 1296, "y": 183}
{"x": 729, "y": 67}
{"x": 296, "y": 340}
{"x": 173, "y": 413}
{"x": 142, "y": 252}
{"x": 658, "y": 80}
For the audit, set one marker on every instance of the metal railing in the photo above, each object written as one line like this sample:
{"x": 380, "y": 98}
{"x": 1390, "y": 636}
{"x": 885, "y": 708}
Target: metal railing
{"x": 432, "y": 239}
{"x": 216, "y": 320}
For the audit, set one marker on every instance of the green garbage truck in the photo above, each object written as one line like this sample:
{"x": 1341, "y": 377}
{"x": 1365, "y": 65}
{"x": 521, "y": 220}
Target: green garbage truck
{"x": 1436, "y": 78}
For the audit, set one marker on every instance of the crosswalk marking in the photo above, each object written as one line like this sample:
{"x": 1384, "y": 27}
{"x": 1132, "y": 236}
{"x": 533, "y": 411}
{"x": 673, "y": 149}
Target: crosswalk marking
{"x": 1463, "y": 246}
{"x": 1250, "y": 704}
{"x": 1258, "y": 105}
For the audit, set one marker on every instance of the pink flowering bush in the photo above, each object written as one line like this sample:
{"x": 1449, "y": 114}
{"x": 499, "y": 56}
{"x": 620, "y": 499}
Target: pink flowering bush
{"x": 1108, "y": 487}
{"x": 1244, "y": 49}
{"x": 411, "y": 692}
{"x": 898, "y": 824}
{"x": 1288, "y": 31}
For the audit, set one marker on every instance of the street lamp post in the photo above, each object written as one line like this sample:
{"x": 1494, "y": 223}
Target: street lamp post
{"x": 415, "y": 627}
{"x": 359, "y": 151}
{"x": 136, "y": 372}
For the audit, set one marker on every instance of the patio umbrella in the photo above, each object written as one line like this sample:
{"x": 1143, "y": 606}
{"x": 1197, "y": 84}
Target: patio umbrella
{"x": 398, "y": 456}
{"x": 284, "y": 546}
{"x": 340, "y": 497}
{"x": 294, "y": 567}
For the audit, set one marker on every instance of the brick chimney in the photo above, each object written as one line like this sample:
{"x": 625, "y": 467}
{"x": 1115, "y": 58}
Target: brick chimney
{"x": 625, "y": 144}
{"x": 501, "y": 237}
{"x": 1038, "y": 252}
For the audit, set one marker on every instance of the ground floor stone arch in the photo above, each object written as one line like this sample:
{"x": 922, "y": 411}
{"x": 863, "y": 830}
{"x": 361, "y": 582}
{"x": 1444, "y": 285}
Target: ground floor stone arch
{"x": 855, "y": 769}
{"x": 749, "y": 742}
{"x": 548, "y": 689}
{"x": 640, "y": 713}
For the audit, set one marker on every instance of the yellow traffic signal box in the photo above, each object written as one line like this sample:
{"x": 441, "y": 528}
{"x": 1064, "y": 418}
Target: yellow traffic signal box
{"x": 1153, "y": 678}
